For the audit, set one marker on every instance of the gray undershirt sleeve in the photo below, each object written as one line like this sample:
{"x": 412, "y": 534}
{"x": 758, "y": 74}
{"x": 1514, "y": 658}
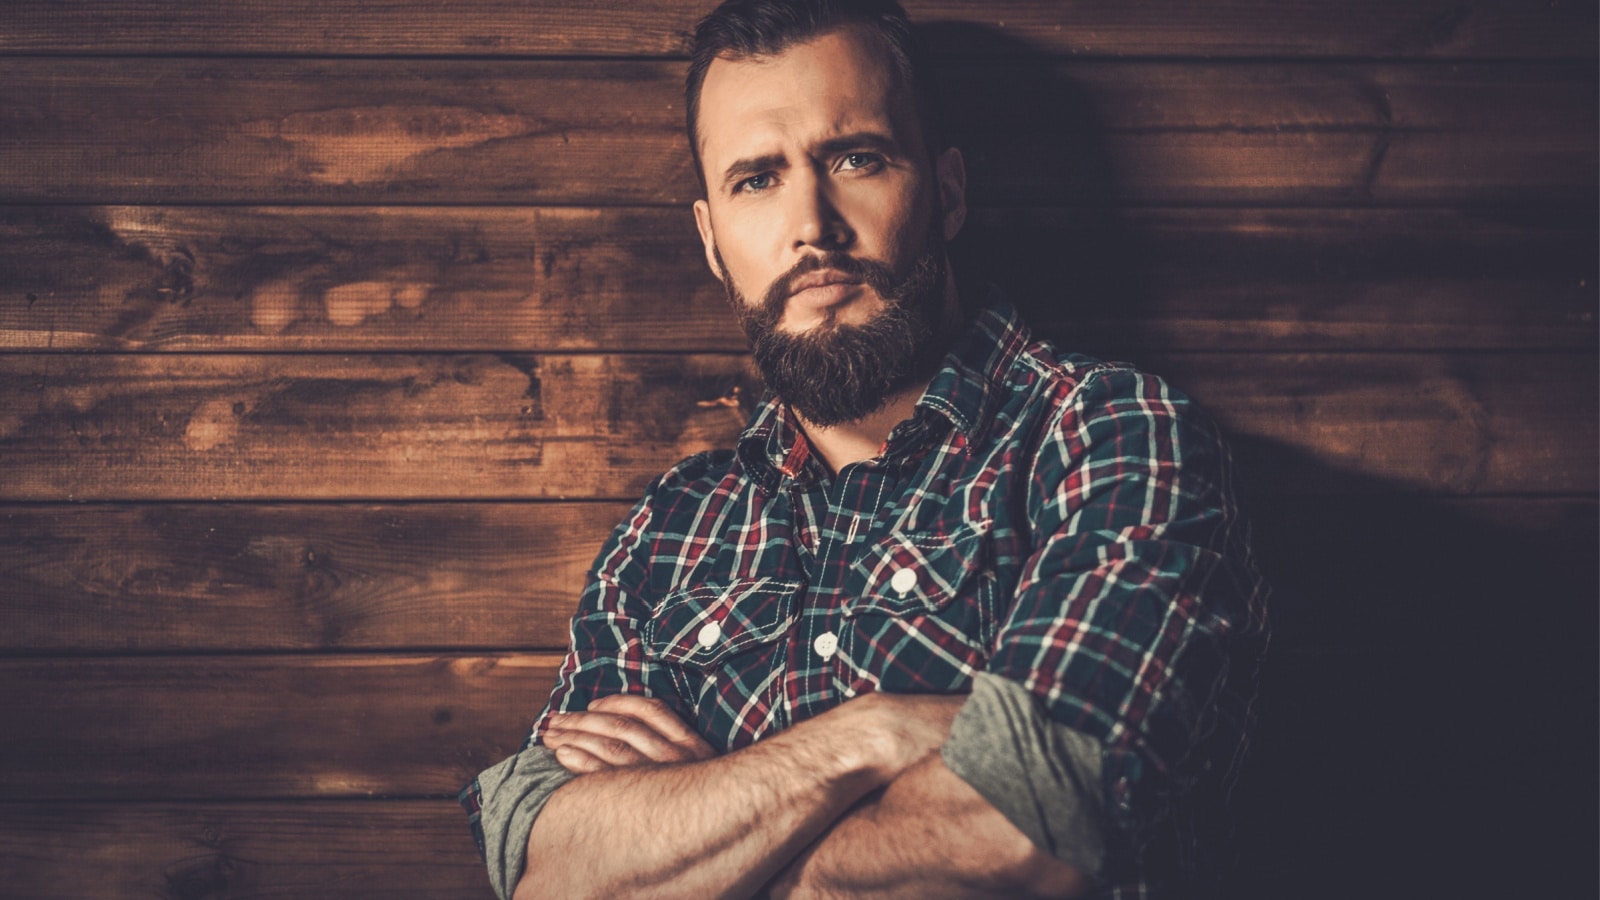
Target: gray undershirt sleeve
{"x": 1042, "y": 776}
{"x": 514, "y": 792}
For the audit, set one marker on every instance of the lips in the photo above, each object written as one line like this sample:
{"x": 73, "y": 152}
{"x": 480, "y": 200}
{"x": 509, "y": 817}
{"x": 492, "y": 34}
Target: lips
{"x": 819, "y": 279}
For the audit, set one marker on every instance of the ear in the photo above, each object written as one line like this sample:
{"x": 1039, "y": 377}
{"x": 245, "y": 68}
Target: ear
{"x": 708, "y": 238}
{"x": 951, "y": 171}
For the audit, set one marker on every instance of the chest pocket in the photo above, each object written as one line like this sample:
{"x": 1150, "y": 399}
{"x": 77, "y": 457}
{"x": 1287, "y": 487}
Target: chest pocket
{"x": 702, "y": 628}
{"x": 915, "y": 573}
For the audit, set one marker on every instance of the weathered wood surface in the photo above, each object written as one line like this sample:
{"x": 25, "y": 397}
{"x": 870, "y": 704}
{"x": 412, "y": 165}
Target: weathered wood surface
{"x": 253, "y": 726}
{"x": 218, "y": 577}
{"x": 369, "y": 427}
{"x": 418, "y": 849}
{"x": 1307, "y": 28}
{"x": 365, "y": 131}
{"x": 635, "y": 279}
{"x": 187, "y": 427}
{"x": 1350, "y": 573}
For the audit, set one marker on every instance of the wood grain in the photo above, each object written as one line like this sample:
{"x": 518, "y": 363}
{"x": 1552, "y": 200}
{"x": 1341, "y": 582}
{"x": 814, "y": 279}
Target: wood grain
{"x": 540, "y": 132}
{"x": 209, "y": 577}
{"x": 86, "y": 579}
{"x": 378, "y": 278}
{"x": 369, "y": 427}
{"x": 389, "y": 427}
{"x": 1391, "y": 28}
{"x": 417, "y": 849}
{"x": 361, "y": 323}
{"x": 219, "y": 727}
{"x": 632, "y": 279}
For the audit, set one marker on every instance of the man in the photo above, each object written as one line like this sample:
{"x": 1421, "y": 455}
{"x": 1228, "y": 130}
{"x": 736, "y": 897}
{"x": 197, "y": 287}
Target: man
{"x": 960, "y": 615}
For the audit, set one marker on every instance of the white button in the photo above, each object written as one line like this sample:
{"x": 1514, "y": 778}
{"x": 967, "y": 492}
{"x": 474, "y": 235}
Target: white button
{"x": 826, "y": 645}
{"x": 709, "y": 633}
{"x": 903, "y": 581}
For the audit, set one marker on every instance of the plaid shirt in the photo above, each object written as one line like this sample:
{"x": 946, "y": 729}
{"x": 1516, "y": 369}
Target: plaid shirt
{"x": 1061, "y": 522}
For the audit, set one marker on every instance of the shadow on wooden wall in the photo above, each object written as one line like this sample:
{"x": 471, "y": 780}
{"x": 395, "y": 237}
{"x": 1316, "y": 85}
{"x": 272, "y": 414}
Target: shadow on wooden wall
{"x": 1427, "y": 711}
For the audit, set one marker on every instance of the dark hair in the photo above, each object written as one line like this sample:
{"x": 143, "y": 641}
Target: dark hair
{"x": 740, "y": 29}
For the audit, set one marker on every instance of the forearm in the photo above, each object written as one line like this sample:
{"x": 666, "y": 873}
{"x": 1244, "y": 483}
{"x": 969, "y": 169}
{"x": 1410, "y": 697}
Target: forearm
{"x": 719, "y": 827}
{"x": 928, "y": 834}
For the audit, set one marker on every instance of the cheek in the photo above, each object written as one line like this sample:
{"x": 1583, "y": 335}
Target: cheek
{"x": 739, "y": 246}
{"x": 897, "y": 224}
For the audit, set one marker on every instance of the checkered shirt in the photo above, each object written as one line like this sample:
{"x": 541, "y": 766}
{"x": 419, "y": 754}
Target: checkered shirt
{"x": 1061, "y": 522}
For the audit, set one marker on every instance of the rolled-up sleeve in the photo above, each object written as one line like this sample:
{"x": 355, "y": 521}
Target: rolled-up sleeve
{"x": 503, "y": 802}
{"x": 1043, "y": 777}
{"x": 1140, "y": 604}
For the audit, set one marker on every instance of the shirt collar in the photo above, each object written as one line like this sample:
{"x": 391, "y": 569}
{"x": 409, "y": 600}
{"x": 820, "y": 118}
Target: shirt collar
{"x": 970, "y": 384}
{"x": 965, "y": 392}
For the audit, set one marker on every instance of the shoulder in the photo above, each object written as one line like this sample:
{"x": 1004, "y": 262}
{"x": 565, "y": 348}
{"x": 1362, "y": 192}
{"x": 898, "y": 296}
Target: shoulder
{"x": 1076, "y": 385}
{"x": 695, "y": 476}
{"x": 1087, "y": 410}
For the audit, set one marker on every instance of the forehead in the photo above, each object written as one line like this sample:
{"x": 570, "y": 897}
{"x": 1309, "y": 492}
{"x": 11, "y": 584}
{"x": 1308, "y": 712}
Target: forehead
{"x": 839, "y": 82}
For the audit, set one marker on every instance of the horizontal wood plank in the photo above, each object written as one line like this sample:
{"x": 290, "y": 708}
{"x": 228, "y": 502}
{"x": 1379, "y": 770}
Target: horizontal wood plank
{"x": 302, "y": 427}
{"x": 620, "y": 279}
{"x": 216, "y": 727}
{"x": 417, "y": 849}
{"x": 96, "y": 579}
{"x": 176, "y": 427}
{"x": 374, "y": 278}
{"x": 1406, "y": 28}
{"x": 188, "y": 578}
{"x": 357, "y": 131}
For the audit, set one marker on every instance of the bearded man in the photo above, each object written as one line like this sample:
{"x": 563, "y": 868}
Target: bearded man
{"x": 960, "y": 615}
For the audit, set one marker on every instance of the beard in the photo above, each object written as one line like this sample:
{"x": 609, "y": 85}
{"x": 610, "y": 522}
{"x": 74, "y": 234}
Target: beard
{"x": 835, "y": 372}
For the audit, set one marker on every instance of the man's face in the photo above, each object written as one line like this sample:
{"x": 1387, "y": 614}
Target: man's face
{"x": 825, "y": 219}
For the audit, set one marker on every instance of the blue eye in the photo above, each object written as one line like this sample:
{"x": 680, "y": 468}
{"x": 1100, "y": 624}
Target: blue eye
{"x": 857, "y": 161}
{"x": 754, "y": 183}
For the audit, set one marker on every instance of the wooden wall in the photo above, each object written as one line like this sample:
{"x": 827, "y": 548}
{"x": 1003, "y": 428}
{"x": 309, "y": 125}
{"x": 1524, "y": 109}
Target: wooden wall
{"x": 335, "y": 334}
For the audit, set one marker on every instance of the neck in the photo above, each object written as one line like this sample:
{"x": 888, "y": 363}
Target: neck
{"x": 863, "y": 438}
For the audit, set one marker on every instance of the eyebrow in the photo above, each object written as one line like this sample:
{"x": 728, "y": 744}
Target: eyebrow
{"x": 752, "y": 165}
{"x": 755, "y": 165}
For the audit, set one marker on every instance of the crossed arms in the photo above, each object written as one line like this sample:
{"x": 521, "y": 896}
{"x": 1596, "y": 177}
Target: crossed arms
{"x": 854, "y": 802}
{"x": 1135, "y": 598}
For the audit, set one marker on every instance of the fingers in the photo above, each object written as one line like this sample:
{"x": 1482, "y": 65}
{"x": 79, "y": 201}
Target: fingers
{"x": 660, "y": 718}
{"x": 579, "y": 731}
{"x": 623, "y": 731}
{"x": 579, "y": 762}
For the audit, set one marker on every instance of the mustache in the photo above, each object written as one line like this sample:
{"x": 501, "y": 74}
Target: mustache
{"x": 874, "y": 274}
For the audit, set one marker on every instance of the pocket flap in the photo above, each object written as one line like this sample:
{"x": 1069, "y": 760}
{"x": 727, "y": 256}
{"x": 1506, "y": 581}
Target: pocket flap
{"x": 702, "y": 626}
{"x": 917, "y": 572}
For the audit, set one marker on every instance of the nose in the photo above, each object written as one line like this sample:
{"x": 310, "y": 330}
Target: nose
{"x": 818, "y": 224}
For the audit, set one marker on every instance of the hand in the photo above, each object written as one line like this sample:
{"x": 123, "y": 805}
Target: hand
{"x": 909, "y": 726}
{"x": 622, "y": 730}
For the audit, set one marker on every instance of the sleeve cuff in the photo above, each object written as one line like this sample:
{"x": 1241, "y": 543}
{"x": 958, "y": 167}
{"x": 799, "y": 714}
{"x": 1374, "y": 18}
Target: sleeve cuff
{"x": 509, "y": 797}
{"x": 1042, "y": 776}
